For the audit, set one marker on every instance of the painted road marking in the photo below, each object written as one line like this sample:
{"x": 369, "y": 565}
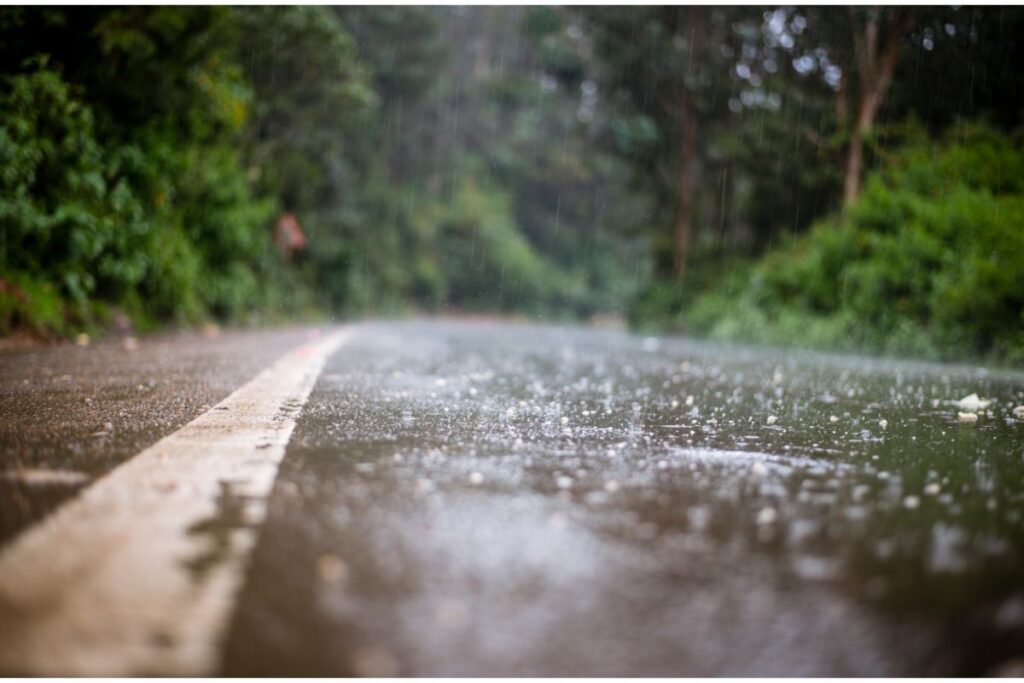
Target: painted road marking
{"x": 139, "y": 573}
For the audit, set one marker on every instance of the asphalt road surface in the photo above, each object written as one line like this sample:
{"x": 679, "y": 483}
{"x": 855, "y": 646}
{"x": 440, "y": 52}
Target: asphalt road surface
{"x": 483, "y": 498}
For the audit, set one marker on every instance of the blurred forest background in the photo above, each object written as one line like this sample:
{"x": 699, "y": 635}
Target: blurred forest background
{"x": 847, "y": 178}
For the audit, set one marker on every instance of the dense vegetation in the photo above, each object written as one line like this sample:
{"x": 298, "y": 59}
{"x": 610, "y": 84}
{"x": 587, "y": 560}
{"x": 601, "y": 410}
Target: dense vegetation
{"x": 928, "y": 261}
{"x": 755, "y": 130}
{"x": 830, "y": 177}
{"x": 147, "y": 154}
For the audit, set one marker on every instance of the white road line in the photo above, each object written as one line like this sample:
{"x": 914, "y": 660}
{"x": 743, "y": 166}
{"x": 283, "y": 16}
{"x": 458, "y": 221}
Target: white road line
{"x": 138, "y": 575}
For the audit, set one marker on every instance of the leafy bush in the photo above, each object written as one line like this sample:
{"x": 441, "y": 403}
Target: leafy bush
{"x": 929, "y": 261}
{"x": 153, "y": 226}
{"x": 71, "y": 227}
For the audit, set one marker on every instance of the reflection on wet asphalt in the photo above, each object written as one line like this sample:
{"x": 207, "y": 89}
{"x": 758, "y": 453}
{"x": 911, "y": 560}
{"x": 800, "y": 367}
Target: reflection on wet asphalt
{"x": 489, "y": 499}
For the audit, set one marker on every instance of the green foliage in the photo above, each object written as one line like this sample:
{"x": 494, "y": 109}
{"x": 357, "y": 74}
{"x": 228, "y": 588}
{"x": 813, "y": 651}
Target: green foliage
{"x": 662, "y": 303}
{"x": 71, "y": 228}
{"x": 128, "y": 193}
{"x": 491, "y": 265}
{"x": 77, "y": 233}
{"x": 313, "y": 104}
{"x": 480, "y": 192}
{"x": 503, "y": 159}
{"x": 929, "y": 262}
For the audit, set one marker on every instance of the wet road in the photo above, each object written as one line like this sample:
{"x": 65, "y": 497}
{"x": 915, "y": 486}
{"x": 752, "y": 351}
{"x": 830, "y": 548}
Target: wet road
{"x": 69, "y": 414}
{"x": 494, "y": 499}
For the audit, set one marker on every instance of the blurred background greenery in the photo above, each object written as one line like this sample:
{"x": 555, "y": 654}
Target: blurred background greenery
{"x": 827, "y": 177}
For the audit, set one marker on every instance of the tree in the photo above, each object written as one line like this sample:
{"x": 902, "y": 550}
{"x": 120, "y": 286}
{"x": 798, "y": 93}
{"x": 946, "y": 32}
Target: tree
{"x": 666, "y": 102}
{"x": 878, "y": 36}
{"x": 313, "y": 103}
{"x": 688, "y": 143}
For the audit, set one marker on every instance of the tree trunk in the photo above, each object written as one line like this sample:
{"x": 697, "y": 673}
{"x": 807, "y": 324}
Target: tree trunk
{"x": 687, "y": 152}
{"x": 876, "y": 69}
{"x": 871, "y": 97}
{"x": 684, "y": 212}
{"x": 854, "y": 167}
